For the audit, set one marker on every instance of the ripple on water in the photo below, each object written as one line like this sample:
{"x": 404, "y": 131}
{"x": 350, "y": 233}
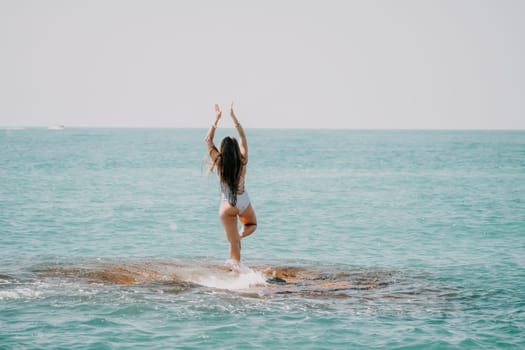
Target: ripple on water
{"x": 358, "y": 289}
{"x": 304, "y": 302}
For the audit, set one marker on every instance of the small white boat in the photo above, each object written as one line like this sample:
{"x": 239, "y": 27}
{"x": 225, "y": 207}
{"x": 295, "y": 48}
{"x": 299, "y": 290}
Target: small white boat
{"x": 56, "y": 127}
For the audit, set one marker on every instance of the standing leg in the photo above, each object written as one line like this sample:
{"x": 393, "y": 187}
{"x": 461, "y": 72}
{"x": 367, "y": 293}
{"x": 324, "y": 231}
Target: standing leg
{"x": 249, "y": 222}
{"x": 228, "y": 215}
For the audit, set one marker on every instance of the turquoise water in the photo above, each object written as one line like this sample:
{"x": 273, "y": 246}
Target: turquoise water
{"x": 110, "y": 238}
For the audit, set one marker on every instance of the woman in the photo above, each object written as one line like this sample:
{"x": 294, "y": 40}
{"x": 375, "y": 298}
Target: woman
{"x": 231, "y": 162}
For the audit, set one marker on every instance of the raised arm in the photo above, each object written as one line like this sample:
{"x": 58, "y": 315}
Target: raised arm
{"x": 212, "y": 150}
{"x": 244, "y": 144}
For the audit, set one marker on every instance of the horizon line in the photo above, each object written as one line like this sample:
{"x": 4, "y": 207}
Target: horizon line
{"x": 19, "y": 127}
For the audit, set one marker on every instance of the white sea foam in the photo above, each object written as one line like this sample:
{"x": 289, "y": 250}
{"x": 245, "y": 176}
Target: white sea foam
{"x": 244, "y": 278}
{"x": 19, "y": 293}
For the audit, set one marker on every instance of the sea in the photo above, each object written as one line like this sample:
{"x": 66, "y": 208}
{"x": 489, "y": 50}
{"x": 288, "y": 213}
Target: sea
{"x": 366, "y": 239}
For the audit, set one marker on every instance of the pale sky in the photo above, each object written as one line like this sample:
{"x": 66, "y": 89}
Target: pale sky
{"x": 286, "y": 64}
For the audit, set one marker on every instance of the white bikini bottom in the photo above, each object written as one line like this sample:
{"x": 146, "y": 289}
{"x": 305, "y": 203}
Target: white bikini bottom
{"x": 243, "y": 201}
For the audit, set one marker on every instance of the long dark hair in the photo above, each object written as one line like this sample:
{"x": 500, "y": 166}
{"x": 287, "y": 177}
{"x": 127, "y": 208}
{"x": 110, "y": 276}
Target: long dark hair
{"x": 229, "y": 167}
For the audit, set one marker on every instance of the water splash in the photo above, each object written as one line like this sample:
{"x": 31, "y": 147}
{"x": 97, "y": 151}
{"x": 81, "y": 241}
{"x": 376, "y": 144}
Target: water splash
{"x": 240, "y": 278}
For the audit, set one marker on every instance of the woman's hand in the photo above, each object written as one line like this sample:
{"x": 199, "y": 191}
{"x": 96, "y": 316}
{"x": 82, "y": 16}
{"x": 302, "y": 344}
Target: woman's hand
{"x": 218, "y": 114}
{"x": 232, "y": 114}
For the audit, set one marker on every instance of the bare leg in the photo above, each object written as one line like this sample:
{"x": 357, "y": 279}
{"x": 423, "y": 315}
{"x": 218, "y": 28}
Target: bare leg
{"x": 228, "y": 215}
{"x": 249, "y": 222}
